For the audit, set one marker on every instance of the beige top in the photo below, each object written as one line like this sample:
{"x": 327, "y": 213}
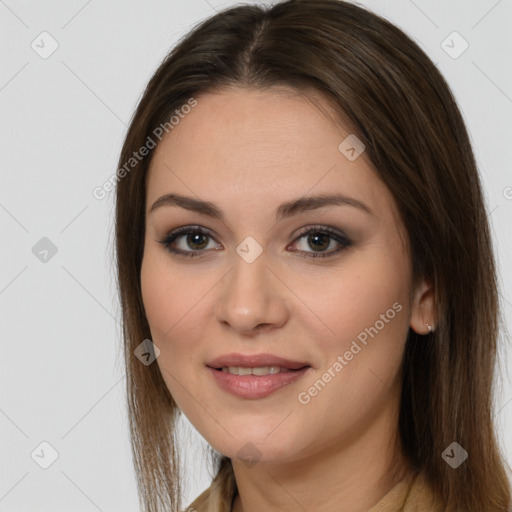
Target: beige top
{"x": 409, "y": 495}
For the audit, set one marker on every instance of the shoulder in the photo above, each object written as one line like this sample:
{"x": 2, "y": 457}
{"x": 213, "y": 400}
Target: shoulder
{"x": 412, "y": 494}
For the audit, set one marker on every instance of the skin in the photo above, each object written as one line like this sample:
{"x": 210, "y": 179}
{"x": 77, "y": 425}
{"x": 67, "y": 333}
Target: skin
{"x": 248, "y": 151}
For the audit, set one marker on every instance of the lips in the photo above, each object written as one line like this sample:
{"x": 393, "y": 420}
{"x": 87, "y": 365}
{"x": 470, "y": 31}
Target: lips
{"x": 272, "y": 374}
{"x": 255, "y": 361}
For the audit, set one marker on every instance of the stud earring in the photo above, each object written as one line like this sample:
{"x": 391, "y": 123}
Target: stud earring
{"x": 429, "y": 327}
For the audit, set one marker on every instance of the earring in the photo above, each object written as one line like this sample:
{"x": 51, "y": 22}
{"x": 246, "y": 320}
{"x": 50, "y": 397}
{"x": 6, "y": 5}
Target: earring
{"x": 429, "y": 327}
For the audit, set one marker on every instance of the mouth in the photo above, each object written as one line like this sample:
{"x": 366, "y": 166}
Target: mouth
{"x": 258, "y": 370}
{"x": 255, "y": 376}
{"x": 255, "y": 361}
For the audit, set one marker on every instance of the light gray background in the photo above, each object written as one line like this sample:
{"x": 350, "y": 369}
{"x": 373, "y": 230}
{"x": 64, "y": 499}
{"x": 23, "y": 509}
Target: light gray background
{"x": 62, "y": 124}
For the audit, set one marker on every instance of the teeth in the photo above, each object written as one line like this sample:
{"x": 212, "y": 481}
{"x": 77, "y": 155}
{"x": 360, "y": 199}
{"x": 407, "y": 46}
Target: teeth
{"x": 260, "y": 370}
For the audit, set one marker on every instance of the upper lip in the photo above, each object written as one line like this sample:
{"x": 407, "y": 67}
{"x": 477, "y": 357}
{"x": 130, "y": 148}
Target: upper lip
{"x": 254, "y": 361}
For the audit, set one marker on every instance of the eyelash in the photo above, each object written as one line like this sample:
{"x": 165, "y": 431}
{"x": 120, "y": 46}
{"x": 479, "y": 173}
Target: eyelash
{"x": 324, "y": 230}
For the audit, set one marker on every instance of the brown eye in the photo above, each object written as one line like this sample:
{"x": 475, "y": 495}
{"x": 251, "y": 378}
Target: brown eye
{"x": 320, "y": 239}
{"x": 187, "y": 241}
{"x": 197, "y": 240}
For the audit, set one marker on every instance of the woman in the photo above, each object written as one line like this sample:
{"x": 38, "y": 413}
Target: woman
{"x": 306, "y": 271}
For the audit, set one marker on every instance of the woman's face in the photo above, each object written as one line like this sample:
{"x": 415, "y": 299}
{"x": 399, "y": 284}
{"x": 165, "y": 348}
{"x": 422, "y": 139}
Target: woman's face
{"x": 246, "y": 289}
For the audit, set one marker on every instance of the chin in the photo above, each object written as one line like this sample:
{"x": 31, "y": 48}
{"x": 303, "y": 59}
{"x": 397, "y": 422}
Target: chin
{"x": 252, "y": 449}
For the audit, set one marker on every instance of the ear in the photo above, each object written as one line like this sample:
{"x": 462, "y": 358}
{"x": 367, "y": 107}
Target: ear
{"x": 422, "y": 311}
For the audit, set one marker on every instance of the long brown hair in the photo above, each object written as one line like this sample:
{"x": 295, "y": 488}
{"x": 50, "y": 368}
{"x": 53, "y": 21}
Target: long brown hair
{"x": 401, "y": 108}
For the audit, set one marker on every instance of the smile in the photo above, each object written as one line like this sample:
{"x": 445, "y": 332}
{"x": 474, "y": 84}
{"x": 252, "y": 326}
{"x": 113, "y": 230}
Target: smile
{"x": 260, "y": 370}
{"x": 255, "y": 383}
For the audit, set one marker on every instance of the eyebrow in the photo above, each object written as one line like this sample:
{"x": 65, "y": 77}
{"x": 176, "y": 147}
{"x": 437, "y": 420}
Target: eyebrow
{"x": 285, "y": 210}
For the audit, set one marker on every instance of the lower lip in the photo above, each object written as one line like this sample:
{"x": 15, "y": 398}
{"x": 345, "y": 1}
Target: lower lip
{"x": 255, "y": 386}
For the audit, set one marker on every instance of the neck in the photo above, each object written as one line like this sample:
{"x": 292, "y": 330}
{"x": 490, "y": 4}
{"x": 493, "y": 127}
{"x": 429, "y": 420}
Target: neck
{"x": 356, "y": 473}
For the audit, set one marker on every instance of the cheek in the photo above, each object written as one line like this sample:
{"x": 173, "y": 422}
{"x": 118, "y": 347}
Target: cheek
{"x": 370, "y": 290}
{"x": 157, "y": 297}
{"x": 176, "y": 302}
{"x": 365, "y": 307}
{"x": 169, "y": 306}
{"x": 166, "y": 299}
{"x": 361, "y": 365}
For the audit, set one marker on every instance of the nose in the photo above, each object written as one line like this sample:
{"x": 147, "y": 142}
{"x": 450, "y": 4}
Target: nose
{"x": 253, "y": 297}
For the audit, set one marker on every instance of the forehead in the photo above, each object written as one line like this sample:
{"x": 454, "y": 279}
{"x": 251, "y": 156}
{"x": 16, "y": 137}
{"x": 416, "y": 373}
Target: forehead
{"x": 242, "y": 123}
{"x": 260, "y": 143}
